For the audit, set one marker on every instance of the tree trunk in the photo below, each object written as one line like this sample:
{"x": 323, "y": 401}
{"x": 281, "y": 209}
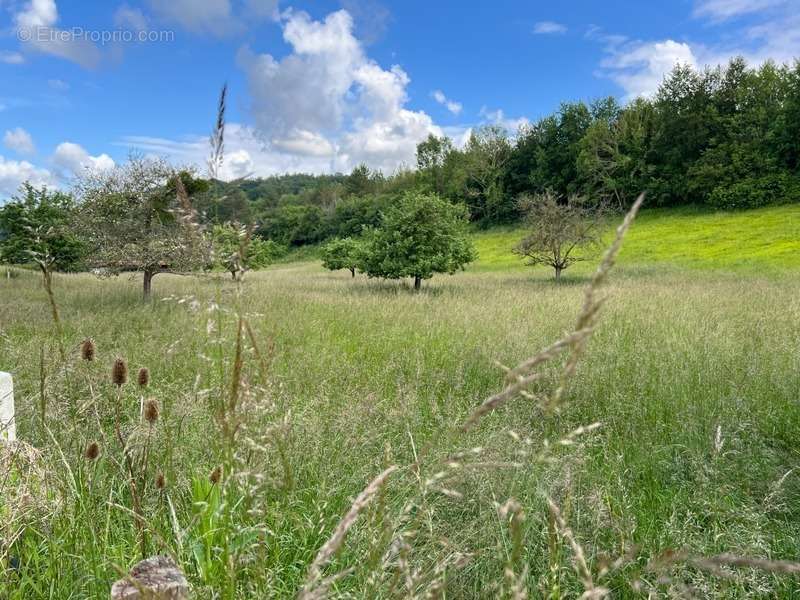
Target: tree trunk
{"x": 353, "y": 271}
{"x": 147, "y": 284}
{"x": 558, "y": 273}
{"x": 417, "y": 282}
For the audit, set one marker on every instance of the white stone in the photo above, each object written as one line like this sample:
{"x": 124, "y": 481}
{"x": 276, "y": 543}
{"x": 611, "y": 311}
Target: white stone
{"x": 8, "y": 427}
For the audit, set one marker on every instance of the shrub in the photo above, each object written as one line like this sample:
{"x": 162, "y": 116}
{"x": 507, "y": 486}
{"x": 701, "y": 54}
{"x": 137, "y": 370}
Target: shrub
{"x": 754, "y": 192}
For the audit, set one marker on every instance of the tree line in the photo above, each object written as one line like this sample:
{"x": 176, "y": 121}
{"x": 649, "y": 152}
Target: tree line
{"x": 141, "y": 217}
{"x": 724, "y": 138}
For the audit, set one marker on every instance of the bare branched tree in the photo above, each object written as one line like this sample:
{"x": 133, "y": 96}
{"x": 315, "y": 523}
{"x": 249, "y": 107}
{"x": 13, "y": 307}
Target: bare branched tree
{"x": 558, "y": 229}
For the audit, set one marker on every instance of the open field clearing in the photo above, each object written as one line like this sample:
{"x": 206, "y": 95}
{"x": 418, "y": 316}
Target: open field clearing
{"x": 766, "y": 238}
{"x": 696, "y": 385}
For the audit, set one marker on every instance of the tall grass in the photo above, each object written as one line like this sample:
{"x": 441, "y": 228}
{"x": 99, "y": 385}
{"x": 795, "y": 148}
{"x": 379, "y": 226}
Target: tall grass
{"x": 670, "y": 456}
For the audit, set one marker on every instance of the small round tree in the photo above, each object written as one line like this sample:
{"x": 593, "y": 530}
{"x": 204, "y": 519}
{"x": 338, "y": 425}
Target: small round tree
{"x": 419, "y": 235}
{"x": 557, "y": 229}
{"x": 237, "y": 249}
{"x": 342, "y": 253}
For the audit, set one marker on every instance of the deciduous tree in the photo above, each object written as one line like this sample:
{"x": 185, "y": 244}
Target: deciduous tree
{"x": 419, "y": 235}
{"x": 36, "y": 223}
{"x": 238, "y": 250}
{"x": 342, "y": 253}
{"x": 558, "y": 230}
{"x": 137, "y": 217}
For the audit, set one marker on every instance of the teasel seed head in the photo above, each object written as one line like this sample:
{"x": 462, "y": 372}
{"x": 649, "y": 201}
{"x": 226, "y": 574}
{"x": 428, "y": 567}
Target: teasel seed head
{"x": 119, "y": 373}
{"x": 151, "y": 411}
{"x": 161, "y": 481}
{"x": 215, "y": 476}
{"x": 87, "y": 350}
{"x": 143, "y": 379}
{"x": 92, "y": 451}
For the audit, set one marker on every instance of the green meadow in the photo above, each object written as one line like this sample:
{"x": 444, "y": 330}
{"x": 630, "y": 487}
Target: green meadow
{"x": 689, "y": 389}
{"x": 690, "y": 238}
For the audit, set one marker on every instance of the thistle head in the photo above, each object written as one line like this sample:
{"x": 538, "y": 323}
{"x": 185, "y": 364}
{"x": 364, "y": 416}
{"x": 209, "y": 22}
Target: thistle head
{"x": 92, "y": 451}
{"x": 215, "y": 475}
{"x": 151, "y": 411}
{"x": 119, "y": 372}
{"x": 161, "y": 481}
{"x": 143, "y": 378}
{"x": 87, "y": 350}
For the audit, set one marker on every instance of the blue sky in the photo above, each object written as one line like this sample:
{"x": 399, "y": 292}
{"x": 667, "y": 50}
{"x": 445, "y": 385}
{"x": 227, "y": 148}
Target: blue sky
{"x": 322, "y": 86}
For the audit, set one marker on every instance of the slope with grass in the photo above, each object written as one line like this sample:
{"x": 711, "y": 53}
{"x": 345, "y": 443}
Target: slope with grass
{"x": 756, "y": 240}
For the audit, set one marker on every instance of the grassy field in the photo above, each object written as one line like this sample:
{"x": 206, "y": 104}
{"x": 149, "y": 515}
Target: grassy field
{"x": 767, "y": 238}
{"x": 693, "y": 376}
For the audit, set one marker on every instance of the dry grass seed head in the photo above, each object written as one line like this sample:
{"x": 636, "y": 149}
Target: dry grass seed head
{"x": 314, "y": 582}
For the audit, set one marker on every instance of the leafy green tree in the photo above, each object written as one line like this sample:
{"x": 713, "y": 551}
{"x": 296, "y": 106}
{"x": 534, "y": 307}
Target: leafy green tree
{"x": 237, "y": 249}
{"x": 486, "y": 155}
{"x": 342, "y": 253}
{"x": 419, "y": 235}
{"x": 685, "y": 120}
{"x": 557, "y": 230}
{"x": 295, "y": 224}
{"x": 353, "y": 213}
{"x": 432, "y": 163}
{"x": 220, "y": 205}
{"x": 35, "y": 225}
{"x": 362, "y": 180}
{"x": 788, "y": 140}
{"x": 137, "y": 217}
{"x": 599, "y": 162}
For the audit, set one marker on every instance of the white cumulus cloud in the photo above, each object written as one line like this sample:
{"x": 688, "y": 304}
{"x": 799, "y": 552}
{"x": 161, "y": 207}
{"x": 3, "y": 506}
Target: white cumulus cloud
{"x": 640, "y": 67}
{"x": 245, "y": 153}
{"x": 498, "y": 117}
{"x": 35, "y": 24}
{"x": 19, "y": 140}
{"x": 328, "y": 100}
{"x": 14, "y": 173}
{"x": 451, "y": 105}
{"x": 72, "y": 159}
{"x": 770, "y": 31}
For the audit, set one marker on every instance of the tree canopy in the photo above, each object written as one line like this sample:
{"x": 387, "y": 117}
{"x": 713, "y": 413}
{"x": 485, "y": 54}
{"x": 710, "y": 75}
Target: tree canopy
{"x": 237, "y": 250}
{"x": 138, "y": 217}
{"x": 419, "y": 235}
{"x": 36, "y": 224}
{"x": 342, "y": 253}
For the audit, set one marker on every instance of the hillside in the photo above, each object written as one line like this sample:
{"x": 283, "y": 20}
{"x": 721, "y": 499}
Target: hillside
{"x": 767, "y": 238}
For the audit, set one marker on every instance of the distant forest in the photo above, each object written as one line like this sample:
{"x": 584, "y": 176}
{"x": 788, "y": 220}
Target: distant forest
{"x": 726, "y": 138}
